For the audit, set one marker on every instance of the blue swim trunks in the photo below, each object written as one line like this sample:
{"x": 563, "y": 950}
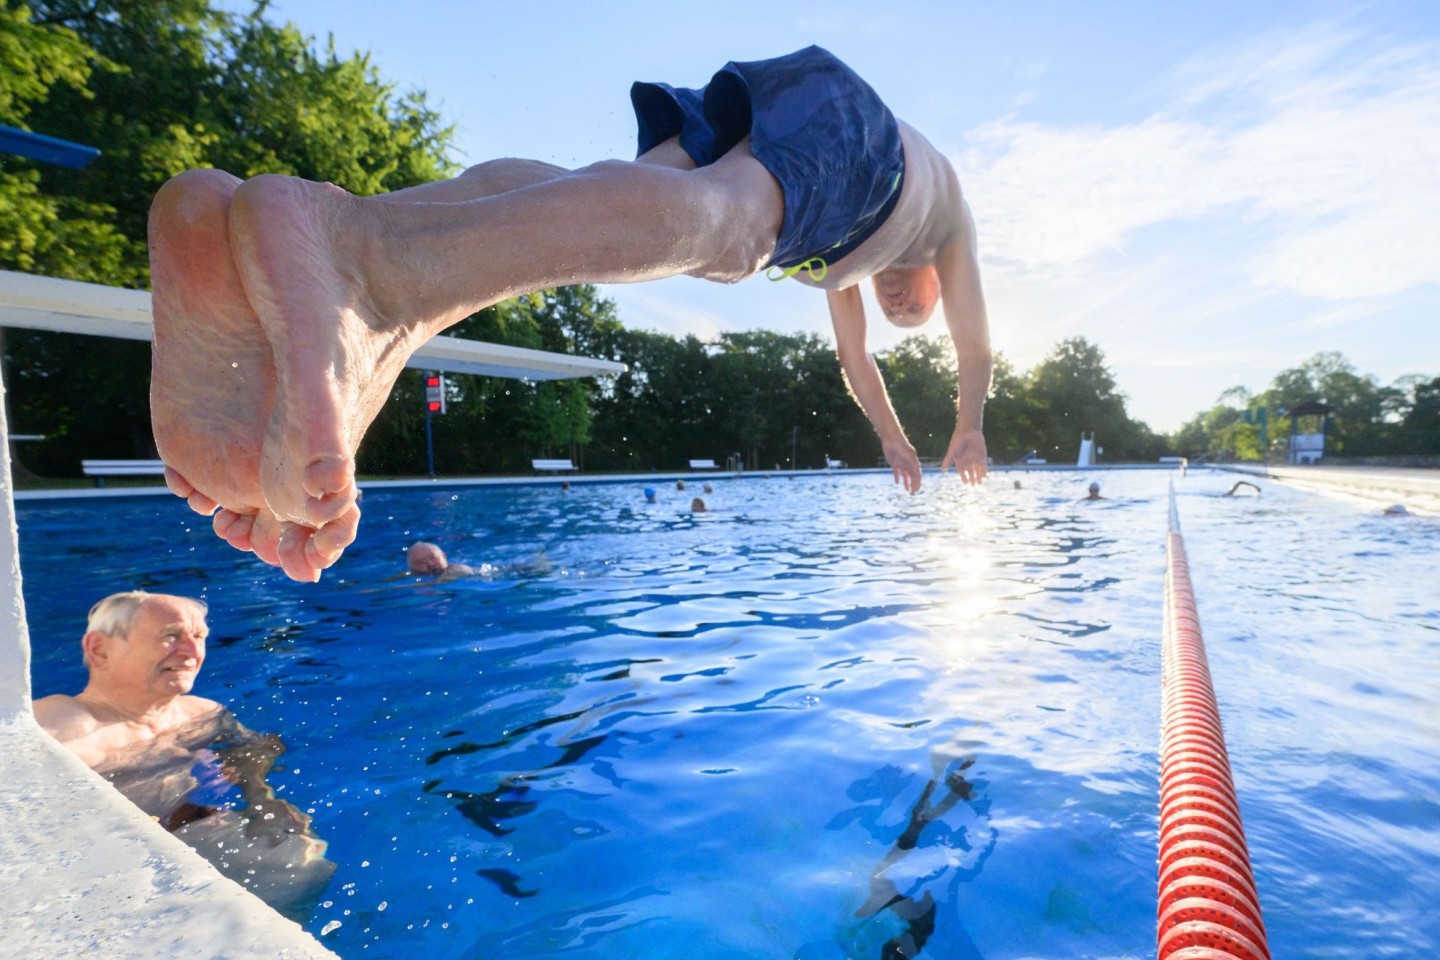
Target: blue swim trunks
{"x": 815, "y": 125}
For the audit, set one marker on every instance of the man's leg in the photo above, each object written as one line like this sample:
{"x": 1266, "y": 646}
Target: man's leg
{"x": 212, "y": 371}
{"x": 482, "y": 180}
{"x": 347, "y": 289}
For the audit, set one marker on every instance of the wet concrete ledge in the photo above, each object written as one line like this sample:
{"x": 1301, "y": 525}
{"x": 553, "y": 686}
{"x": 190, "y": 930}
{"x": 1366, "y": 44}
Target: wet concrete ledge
{"x": 1417, "y": 489}
{"x": 84, "y": 873}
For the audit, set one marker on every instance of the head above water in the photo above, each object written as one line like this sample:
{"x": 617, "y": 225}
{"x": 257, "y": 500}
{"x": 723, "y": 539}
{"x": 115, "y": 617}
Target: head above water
{"x": 426, "y": 559}
{"x": 147, "y": 644}
{"x": 115, "y": 615}
{"x": 907, "y": 296}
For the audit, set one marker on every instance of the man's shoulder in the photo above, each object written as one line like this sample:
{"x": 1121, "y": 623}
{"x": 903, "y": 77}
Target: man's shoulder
{"x": 63, "y": 717}
{"x": 199, "y": 708}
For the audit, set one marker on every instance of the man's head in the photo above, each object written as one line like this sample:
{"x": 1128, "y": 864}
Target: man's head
{"x": 907, "y": 296}
{"x": 426, "y": 559}
{"x": 145, "y": 643}
{"x": 1094, "y": 491}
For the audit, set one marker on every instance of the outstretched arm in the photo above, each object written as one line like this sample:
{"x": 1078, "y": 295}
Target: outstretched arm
{"x": 847, "y": 313}
{"x": 964, "y": 302}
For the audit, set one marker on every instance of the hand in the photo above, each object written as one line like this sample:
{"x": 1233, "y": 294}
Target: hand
{"x": 903, "y": 462}
{"x": 966, "y": 455}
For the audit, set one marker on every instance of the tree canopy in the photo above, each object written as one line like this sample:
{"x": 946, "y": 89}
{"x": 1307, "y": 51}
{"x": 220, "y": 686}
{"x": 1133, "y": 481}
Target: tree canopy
{"x": 1368, "y": 420}
{"x": 161, "y": 86}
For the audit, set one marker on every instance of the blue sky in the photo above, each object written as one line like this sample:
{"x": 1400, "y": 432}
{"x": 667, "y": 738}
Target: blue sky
{"x": 1211, "y": 192}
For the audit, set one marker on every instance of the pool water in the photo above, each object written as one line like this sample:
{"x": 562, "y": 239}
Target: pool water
{"x": 825, "y": 720}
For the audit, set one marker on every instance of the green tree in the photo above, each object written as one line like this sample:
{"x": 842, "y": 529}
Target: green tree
{"x": 1420, "y": 429}
{"x": 162, "y": 86}
{"x": 1009, "y": 425}
{"x": 1072, "y": 391}
{"x": 920, "y": 378}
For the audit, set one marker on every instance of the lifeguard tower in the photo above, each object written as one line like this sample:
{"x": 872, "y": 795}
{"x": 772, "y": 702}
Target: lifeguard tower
{"x": 1307, "y": 432}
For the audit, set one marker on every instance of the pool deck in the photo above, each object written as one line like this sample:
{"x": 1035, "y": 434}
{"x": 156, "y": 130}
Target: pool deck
{"x": 84, "y": 872}
{"x": 1418, "y": 490}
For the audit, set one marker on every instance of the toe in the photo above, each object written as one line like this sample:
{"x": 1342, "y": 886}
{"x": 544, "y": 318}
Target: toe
{"x": 331, "y": 540}
{"x": 181, "y": 487}
{"x": 327, "y": 476}
{"x": 293, "y": 557}
{"x": 265, "y": 539}
{"x": 320, "y": 511}
{"x": 177, "y": 483}
{"x": 234, "y": 528}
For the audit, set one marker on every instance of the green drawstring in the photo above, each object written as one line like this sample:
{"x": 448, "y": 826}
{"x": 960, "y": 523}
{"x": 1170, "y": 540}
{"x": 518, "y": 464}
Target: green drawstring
{"x": 815, "y": 266}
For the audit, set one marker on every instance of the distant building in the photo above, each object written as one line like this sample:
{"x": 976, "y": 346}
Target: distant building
{"x": 1307, "y": 432}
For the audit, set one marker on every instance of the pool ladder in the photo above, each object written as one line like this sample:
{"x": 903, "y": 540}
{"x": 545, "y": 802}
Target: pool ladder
{"x": 1208, "y": 907}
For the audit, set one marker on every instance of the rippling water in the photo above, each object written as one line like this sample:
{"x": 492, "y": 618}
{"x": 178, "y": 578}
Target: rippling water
{"x": 825, "y": 720}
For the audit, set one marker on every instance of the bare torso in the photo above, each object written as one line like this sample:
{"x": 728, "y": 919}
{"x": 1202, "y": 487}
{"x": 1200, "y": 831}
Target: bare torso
{"x": 928, "y": 215}
{"x": 94, "y": 734}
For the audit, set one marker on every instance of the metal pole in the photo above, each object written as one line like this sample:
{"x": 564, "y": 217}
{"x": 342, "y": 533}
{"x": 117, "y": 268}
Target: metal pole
{"x": 429, "y": 446}
{"x": 794, "y": 434}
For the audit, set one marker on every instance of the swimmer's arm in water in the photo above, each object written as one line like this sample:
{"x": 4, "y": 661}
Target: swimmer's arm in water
{"x": 847, "y": 314}
{"x": 247, "y": 761}
{"x": 247, "y": 757}
{"x": 964, "y": 303}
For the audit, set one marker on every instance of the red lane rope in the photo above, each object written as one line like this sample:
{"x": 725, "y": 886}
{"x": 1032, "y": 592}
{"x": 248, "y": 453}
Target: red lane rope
{"x": 1208, "y": 908}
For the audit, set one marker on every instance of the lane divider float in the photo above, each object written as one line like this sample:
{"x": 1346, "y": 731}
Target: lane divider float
{"x": 1208, "y": 907}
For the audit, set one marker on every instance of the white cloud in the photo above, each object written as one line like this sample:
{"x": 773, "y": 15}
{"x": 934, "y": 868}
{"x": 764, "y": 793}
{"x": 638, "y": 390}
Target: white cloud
{"x": 646, "y": 307}
{"x": 1316, "y": 156}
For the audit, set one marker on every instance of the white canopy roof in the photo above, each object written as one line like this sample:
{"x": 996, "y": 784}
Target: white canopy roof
{"x": 69, "y": 306}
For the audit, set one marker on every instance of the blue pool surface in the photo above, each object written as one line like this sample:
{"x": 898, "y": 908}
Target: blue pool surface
{"x": 826, "y": 720}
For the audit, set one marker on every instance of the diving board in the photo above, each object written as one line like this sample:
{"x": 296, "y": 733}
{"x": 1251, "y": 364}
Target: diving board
{"x": 71, "y": 306}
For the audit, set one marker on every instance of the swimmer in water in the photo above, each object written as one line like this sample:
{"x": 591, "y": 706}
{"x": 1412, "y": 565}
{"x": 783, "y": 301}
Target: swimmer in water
{"x": 286, "y": 309}
{"x": 425, "y": 559}
{"x": 1235, "y": 490}
{"x": 185, "y": 760}
{"x": 1094, "y": 493}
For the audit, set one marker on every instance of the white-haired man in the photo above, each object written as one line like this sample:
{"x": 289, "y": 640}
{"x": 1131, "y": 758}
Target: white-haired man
{"x": 144, "y": 652}
{"x": 184, "y": 760}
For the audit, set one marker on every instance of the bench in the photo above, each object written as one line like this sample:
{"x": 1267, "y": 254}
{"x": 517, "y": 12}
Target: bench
{"x": 834, "y": 464}
{"x": 100, "y": 469}
{"x": 703, "y": 465}
{"x": 552, "y": 466}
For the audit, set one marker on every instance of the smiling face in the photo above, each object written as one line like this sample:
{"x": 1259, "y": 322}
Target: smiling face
{"x": 161, "y": 655}
{"x": 907, "y": 296}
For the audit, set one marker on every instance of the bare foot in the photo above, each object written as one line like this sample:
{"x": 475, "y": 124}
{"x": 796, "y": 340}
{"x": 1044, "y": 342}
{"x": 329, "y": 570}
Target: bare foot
{"x": 298, "y": 248}
{"x": 212, "y": 375}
